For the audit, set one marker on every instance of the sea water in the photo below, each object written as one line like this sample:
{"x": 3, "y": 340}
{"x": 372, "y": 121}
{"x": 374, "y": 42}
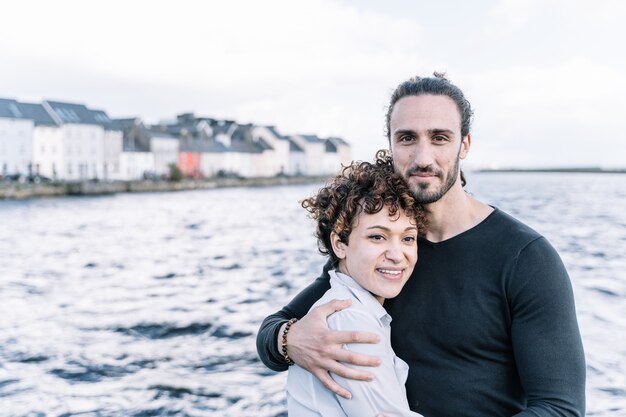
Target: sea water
{"x": 148, "y": 304}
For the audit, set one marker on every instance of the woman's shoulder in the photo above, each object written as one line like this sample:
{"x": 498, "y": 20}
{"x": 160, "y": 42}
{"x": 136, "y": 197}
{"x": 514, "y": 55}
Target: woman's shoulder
{"x": 356, "y": 317}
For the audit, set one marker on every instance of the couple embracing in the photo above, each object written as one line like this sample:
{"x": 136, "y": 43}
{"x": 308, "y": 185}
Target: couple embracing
{"x": 484, "y": 322}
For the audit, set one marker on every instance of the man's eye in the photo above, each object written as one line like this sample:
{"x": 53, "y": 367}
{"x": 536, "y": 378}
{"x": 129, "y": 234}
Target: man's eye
{"x": 440, "y": 138}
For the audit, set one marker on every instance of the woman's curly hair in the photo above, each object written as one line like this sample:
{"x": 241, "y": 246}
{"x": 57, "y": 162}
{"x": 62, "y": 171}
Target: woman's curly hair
{"x": 360, "y": 187}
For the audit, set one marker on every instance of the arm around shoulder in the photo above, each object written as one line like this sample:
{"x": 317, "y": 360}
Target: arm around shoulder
{"x": 267, "y": 336}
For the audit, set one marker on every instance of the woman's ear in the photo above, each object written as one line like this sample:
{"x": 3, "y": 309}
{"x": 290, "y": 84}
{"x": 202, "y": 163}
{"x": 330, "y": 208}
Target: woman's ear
{"x": 338, "y": 246}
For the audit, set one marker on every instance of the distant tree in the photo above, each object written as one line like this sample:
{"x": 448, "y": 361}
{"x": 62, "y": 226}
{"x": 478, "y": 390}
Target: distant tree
{"x": 176, "y": 174}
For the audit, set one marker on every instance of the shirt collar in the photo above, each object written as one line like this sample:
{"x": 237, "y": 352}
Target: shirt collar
{"x": 365, "y": 297}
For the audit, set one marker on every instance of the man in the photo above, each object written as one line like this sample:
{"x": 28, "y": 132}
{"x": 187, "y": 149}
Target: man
{"x": 486, "y": 322}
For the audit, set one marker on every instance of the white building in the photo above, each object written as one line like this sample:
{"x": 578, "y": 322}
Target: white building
{"x": 235, "y": 150}
{"x": 314, "y": 149}
{"x": 336, "y": 153}
{"x": 138, "y": 138}
{"x": 278, "y": 161}
{"x": 74, "y": 149}
{"x": 297, "y": 159}
{"x": 16, "y": 145}
{"x": 165, "y": 149}
{"x": 113, "y": 145}
{"x": 58, "y": 140}
{"x": 135, "y": 165}
{"x": 215, "y": 160}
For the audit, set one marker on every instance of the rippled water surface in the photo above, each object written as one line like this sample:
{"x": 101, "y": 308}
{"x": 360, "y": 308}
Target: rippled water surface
{"x": 148, "y": 304}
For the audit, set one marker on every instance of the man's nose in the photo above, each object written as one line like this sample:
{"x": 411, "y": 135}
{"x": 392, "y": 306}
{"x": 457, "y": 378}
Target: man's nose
{"x": 423, "y": 154}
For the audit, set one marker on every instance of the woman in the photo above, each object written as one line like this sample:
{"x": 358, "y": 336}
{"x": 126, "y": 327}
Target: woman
{"x": 368, "y": 224}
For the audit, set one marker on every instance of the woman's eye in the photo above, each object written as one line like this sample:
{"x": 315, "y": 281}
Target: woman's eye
{"x": 376, "y": 237}
{"x": 410, "y": 239}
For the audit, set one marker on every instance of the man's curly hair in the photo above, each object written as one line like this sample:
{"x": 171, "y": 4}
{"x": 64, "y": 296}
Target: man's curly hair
{"x": 360, "y": 187}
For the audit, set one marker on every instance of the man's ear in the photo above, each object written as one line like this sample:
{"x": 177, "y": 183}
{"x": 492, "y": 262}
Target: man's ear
{"x": 338, "y": 246}
{"x": 465, "y": 146}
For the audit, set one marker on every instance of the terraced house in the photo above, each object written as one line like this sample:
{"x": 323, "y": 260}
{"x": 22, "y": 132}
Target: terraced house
{"x": 69, "y": 141}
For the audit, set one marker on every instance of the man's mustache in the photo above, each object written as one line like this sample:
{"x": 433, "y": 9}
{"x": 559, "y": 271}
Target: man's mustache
{"x": 423, "y": 170}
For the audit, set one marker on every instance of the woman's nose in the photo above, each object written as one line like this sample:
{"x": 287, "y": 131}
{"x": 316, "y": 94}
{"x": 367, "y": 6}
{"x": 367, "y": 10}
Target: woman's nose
{"x": 394, "y": 251}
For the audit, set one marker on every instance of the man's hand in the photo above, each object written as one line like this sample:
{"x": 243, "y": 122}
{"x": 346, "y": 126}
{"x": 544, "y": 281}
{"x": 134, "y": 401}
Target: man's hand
{"x": 319, "y": 350}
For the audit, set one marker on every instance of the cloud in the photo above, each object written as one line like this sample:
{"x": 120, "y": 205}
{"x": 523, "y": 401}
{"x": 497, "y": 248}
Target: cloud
{"x": 549, "y": 72}
{"x": 561, "y": 114}
{"x": 319, "y": 66}
{"x": 189, "y": 41}
{"x": 509, "y": 16}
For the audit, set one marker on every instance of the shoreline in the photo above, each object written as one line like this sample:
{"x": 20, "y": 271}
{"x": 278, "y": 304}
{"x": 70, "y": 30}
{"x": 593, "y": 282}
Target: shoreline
{"x": 24, "y": 191}
{"x": 554, "y": 170}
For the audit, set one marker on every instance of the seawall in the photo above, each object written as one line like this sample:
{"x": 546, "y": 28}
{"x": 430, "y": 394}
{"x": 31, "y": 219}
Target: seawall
{"x": 12, "y": 190}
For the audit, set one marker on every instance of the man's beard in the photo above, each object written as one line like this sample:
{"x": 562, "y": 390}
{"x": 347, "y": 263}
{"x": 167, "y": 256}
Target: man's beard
{"x": 422, "y": 195}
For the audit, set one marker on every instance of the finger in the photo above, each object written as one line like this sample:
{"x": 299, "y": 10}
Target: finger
{"x": 332, "y": 307}
{"x": 344, "y": 337}
{"x": 350, "y": 373}
{"x": 331, "y": 385}
{"x": 358, "y": 359}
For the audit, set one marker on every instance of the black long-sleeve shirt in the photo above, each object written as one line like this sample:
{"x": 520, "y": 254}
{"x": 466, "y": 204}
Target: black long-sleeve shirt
{"x": 486, "y": 322}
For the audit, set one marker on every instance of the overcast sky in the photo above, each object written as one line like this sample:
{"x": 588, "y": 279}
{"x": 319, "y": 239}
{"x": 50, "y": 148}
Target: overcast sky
{"x": 547, "y": 78}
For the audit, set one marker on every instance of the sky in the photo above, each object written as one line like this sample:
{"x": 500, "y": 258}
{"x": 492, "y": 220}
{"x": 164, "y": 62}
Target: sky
{"x": 546, "y": 78}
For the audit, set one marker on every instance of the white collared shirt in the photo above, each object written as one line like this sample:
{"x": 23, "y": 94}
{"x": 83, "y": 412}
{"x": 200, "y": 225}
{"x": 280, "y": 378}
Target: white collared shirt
{"x": 307, "y": 397}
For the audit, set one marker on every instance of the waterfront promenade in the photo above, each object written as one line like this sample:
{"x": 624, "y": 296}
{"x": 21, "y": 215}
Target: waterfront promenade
{"x": 17, "y": 190}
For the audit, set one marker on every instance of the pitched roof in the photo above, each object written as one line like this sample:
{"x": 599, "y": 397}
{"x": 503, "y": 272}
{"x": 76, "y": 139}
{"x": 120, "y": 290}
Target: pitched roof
{"x": 293, "y": 146}
{"x": 192, "y": 118}
{"x": 221, "y": 126}
{"x": 72, "y": 112}
{"x": 37, "y": 113}
{"x": 264, "y": 145}
{"x": 127, "y": 123}
{"x": 80, "y": 114}
{"x": 153, "y": 133}
{"x": 215, "y": 146}
{"x": 276, "y": 133}
{"x": 312, "y": 138}
{"x": 13, "y": 109}
{"x": 202, "y": 146}
{"x": 9, "y": 109}
{"x": 244, "y": 146}
{"x": 338, "y": 141}
{"x": 132, "y": 145}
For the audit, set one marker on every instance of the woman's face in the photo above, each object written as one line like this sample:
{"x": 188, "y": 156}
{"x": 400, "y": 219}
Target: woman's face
{"x": 381, "y": 252}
